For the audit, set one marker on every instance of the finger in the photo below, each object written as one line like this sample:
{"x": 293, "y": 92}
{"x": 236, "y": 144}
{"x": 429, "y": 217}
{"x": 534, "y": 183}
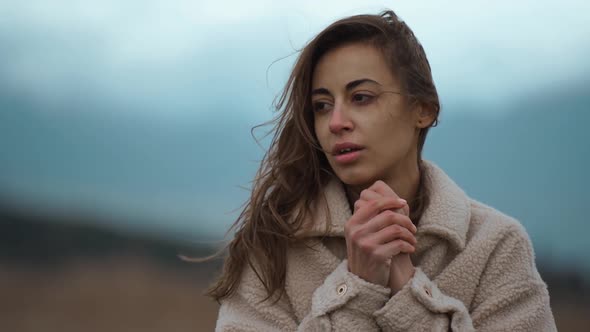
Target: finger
{"x": 379, "y": 222}
{"x": 374, "y": 207}
{"x": 365, "y": 196}
{"x": 358, "y": 204}
{"x": 393, "y": 248}
{"x": 388, "y": 218}
{"x": 392, "y": 233}
{"x": 369, "y": 194}
{"x": 405, "y": 210}
{"x": 382, "y": 188}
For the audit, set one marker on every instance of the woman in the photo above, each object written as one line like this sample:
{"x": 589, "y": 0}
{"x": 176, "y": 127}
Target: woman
{"x": 348, "y": 229}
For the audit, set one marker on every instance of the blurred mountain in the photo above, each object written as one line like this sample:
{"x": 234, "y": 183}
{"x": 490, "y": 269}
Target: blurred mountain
{"x": 52, "y": 240}
{"x": 104, "y": 159}
{"x": 529, "y": 160}
{"x": 166, "y": 173}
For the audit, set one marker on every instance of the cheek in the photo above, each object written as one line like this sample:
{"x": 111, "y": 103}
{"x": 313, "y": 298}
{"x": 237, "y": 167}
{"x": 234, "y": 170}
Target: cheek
{"x": 394, "y": 133}
{"x": 319, "y": 133}
{"x": 400, "y": 122}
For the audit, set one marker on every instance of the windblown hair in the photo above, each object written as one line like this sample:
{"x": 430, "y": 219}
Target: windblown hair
{"x": 294, "y": 169}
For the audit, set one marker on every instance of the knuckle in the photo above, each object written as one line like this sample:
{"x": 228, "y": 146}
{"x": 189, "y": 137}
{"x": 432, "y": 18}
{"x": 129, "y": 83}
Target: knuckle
{"x": 400, "y": 245}
{"x": 405, "y": 244}
{"x": 397, "y": 200}
{"x": 393, "y": 201}
{"x": 355, "y": 235}
{"x": 357, "y": 205}
{"x": 374, "y": 204}
{"x": 407, "y": 221}
{"x": 399, "y": 218}
{"x": 366, "y": 246}
{"x": 390, "y": 215}
{"x": 395, "y": 231}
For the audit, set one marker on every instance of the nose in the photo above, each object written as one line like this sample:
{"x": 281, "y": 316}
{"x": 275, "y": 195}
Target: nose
{"x": 339, "y": 120}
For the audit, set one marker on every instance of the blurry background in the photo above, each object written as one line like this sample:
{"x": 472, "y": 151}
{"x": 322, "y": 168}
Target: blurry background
{"x": 125, "y": 140}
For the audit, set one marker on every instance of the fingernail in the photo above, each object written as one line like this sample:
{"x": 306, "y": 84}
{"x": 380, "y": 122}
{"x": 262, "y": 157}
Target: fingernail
{"x": 403, "y": 201}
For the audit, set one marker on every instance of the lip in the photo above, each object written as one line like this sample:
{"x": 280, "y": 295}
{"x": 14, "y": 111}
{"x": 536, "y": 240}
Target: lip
{"x": 346, "y": 145}
{"x": 348, "y": 158}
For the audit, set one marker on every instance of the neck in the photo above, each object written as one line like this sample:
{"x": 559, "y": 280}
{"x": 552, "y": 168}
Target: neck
{"x": 404, "y": 183}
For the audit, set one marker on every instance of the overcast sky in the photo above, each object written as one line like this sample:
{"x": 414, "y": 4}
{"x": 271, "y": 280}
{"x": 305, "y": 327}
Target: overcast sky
{"x": 169, "y": 52}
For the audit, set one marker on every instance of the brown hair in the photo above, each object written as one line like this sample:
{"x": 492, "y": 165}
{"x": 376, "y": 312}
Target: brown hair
{"x": 294, "y": 169}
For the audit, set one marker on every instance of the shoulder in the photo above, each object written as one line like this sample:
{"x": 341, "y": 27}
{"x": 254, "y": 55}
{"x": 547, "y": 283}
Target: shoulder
{"x": 498, "y": 231}
{"x": 487, "y": 219}
{"x": 506, "y": 256}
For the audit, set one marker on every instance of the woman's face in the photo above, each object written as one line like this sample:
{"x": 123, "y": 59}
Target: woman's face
{"x": 353, "y": 103}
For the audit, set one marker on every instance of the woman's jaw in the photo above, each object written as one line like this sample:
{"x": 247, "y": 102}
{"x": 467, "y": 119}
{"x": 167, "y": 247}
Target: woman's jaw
{"x": 403, "y": 179}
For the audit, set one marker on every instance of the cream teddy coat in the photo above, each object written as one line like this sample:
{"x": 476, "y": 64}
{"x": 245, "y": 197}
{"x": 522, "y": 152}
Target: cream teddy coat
{"x": 475, "y": 270}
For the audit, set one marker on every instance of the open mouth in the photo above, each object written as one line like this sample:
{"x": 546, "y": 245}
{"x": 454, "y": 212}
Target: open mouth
{"x": 347, "y": 150}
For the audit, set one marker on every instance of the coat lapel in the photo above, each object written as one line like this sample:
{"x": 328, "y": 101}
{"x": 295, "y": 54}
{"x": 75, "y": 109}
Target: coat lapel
{"x": 446, "y": 217}
{"x": 308, "y": 266}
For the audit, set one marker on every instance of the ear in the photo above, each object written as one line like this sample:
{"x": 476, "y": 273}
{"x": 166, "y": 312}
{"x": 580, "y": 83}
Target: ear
{"x": 424, "y": 115}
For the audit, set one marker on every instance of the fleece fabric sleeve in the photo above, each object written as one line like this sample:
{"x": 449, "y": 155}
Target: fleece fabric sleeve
{"x": 344, "y": 302}
{"x": 511, "y": 296}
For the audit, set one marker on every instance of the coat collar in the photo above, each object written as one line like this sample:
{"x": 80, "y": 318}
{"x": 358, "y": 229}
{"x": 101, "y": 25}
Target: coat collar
{"x": 446, "y": 216}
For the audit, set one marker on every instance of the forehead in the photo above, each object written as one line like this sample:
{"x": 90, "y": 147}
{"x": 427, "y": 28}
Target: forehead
{"x": 351, "y": 62}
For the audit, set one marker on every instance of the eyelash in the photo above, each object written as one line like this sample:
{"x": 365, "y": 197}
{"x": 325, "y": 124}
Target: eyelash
{"x": 369, "y": 99}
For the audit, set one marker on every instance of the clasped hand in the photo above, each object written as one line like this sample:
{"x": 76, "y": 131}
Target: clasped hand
{"x": 379, "y": 238}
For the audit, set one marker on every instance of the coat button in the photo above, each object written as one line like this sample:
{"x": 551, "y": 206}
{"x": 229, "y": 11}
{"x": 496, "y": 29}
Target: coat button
{"x": 341, "y": 290}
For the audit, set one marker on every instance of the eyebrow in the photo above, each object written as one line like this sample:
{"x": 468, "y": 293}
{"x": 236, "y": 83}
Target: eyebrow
{"x": 349, "y": 86}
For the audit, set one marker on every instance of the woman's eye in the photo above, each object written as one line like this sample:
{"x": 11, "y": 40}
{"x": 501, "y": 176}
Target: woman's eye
{"x": 360, "y": 98}
{"x": 320, "y": 106}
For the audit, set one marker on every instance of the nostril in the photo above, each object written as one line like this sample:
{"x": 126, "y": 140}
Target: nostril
{"x": 336, "y": 127}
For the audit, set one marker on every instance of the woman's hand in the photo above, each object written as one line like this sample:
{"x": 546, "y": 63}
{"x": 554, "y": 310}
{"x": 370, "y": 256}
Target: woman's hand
{"x": 401, "y": 269}
{"x": 374, "y": 234}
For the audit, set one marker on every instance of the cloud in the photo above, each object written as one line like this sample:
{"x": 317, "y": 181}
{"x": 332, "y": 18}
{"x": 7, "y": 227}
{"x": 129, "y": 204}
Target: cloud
{"x": 164, "y": 51}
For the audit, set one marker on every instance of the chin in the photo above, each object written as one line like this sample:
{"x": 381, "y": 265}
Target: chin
{"x": 353, "y": 178}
